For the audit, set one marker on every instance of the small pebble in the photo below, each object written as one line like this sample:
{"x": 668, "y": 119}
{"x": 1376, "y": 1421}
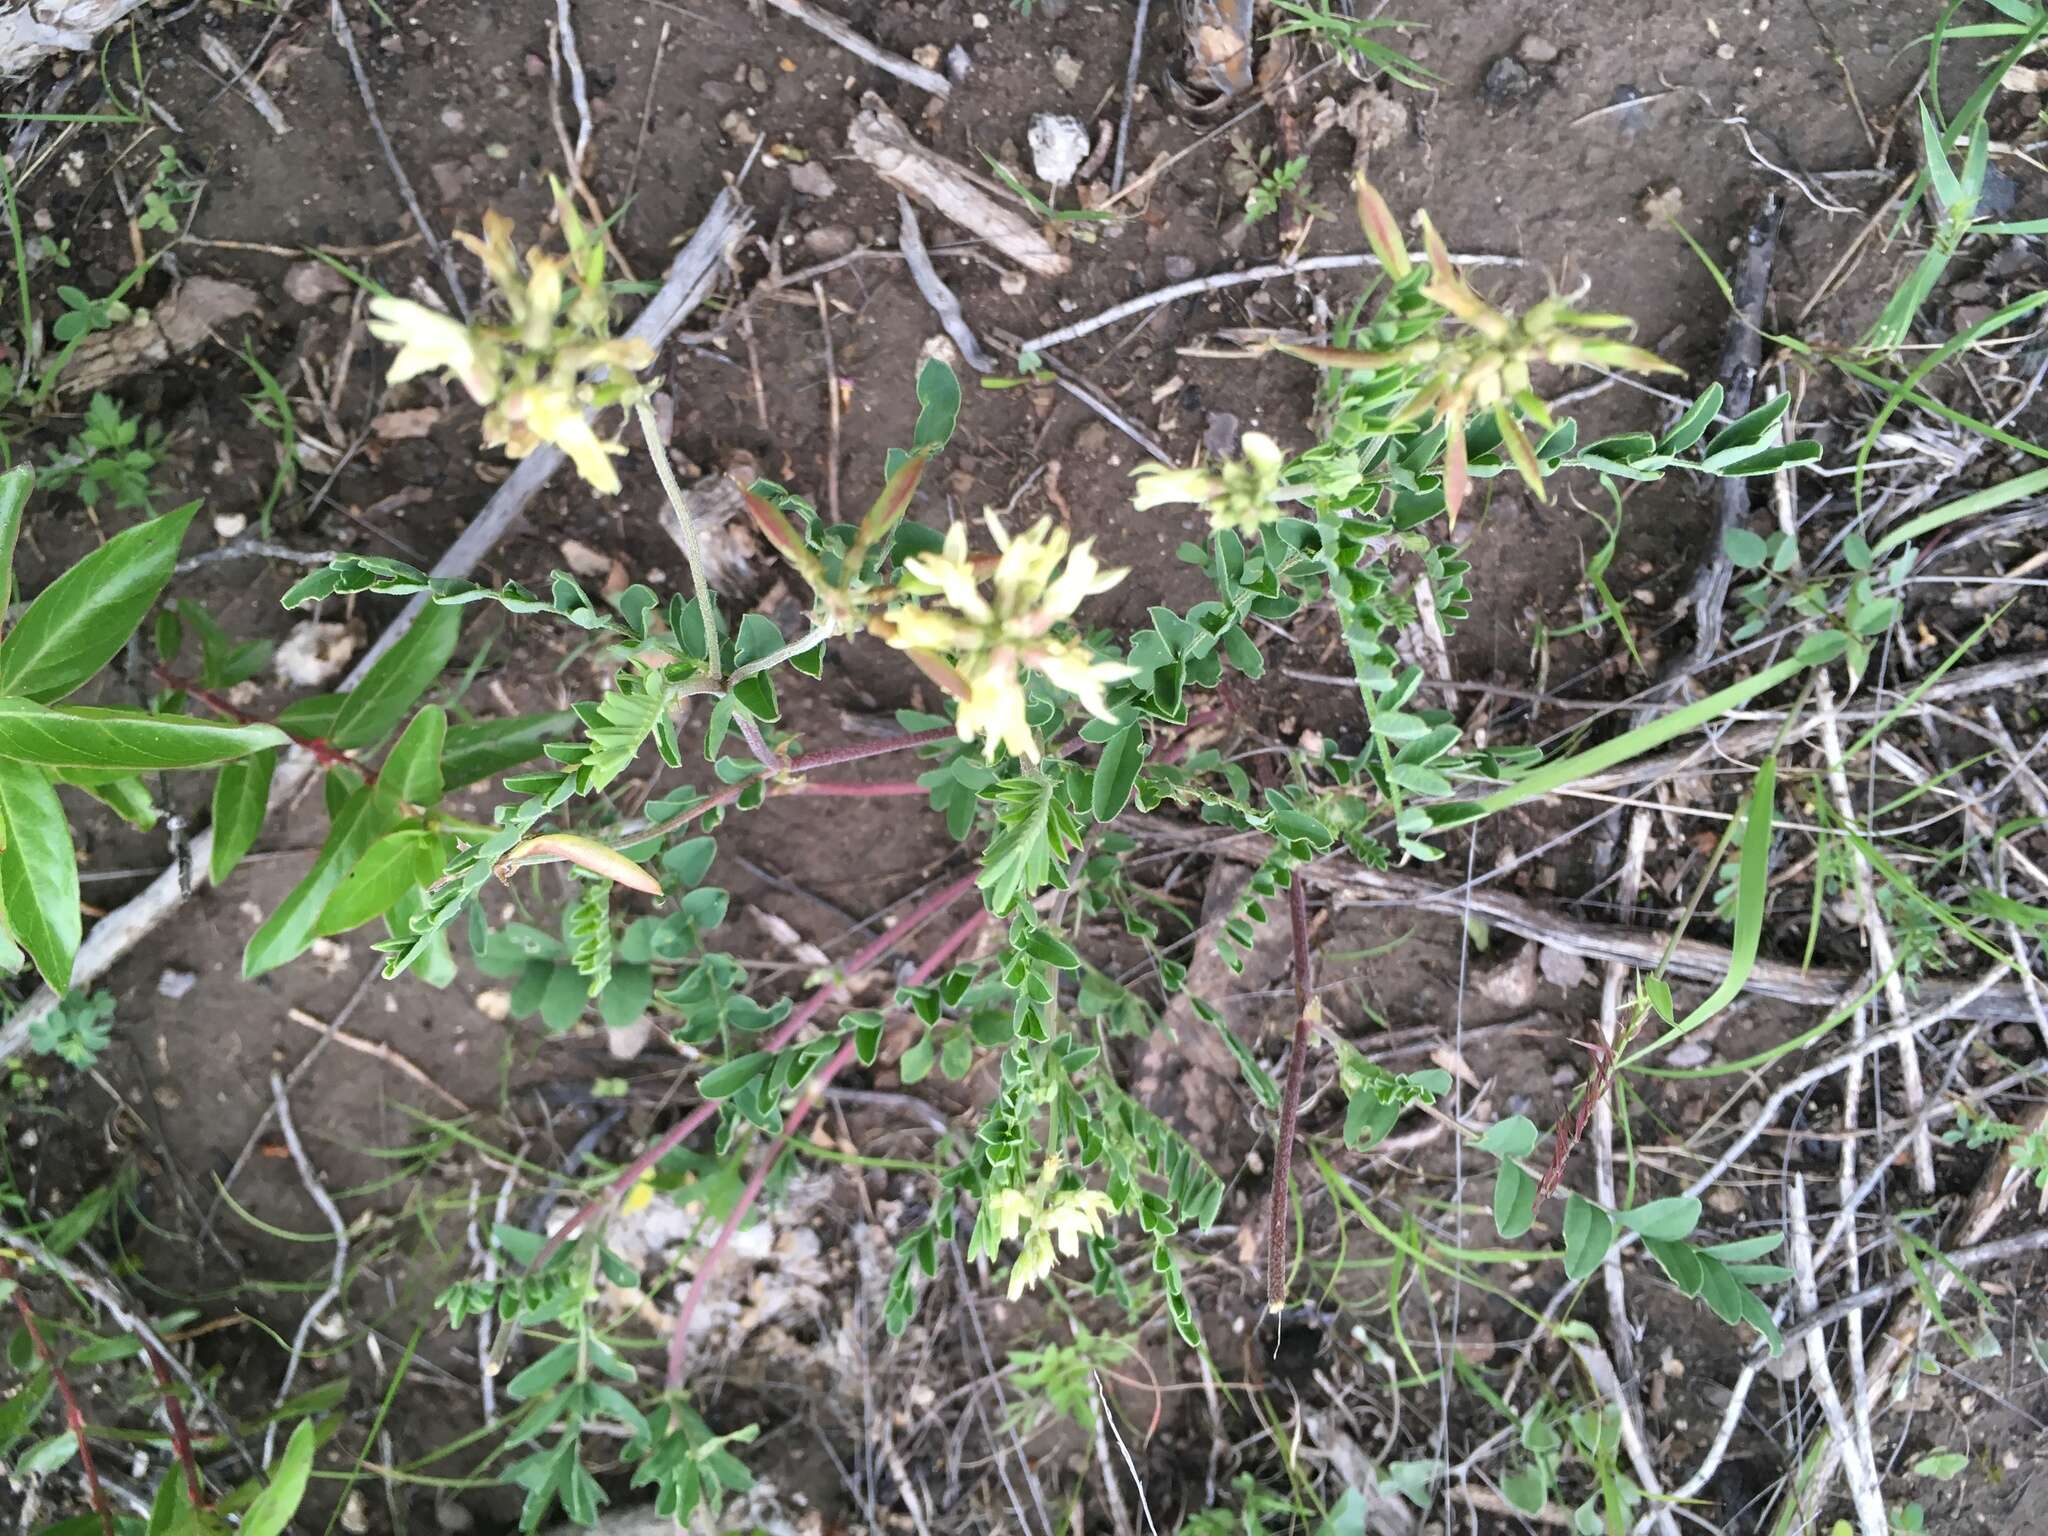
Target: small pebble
{"x": 174, "y": 983}
{"x": 828, "y": 241}
{"x": 1725, "y": 51}
{"x": 1179, "y": 268}
{"x": 958, "y": 64}
{"x": 1536, "y": 50}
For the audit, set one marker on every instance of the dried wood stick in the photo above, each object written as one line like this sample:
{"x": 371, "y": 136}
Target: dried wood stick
{"x": 879, "y": 140}
{"x": 1991, "y": 1000}
{"x": 1994, "y": 1193}
{"x": 1220, "y": 280}
{"x": 910, "y": 240}
{"x": 840, "y": 33}
{"x": 691, "y": 276}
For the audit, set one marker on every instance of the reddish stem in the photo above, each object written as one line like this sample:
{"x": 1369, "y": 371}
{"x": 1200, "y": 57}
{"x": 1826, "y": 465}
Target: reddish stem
{"x": 1290, "y": 1103}
{"x": 74, "y": 1420}
{"x": 678, "y": 1339}
{"x": 181, "y": 1434}
{"x": 852, "y": 789}
{"x": 807, "y": 1010}
{"x": 325, "y": 753}
{"x": 831, "y": 757}
{"x": 853, "y": 752}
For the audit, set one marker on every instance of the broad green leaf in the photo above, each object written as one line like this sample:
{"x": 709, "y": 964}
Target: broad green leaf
{"x": 1587, "y": 1233}
{"x": 1527, "y": 1488}
{"x": 123, "y": 740}
{"x": 373, "y": 708}
{"x": 80, "y": 621}
{"x": 1745, "y": 548}
{"x": 723, "y": 1081}
{"x": 241, "y": 798}
{"x": 1512, "y": 1137}
{"x": 14, "y": 488}
{"x": 1514, "y": 1201}
{"x": 46, "y": 1456}
{"x": 122, "y": 793}
{"x": 389, "y": 868}
{"x": 364, "y": 817}
{"x": 938, "y": 406}
{"x": 1669, "y": 1221}
{"x": 271, "y": 1513}
{"x": 487, "y": 748}
{"x": 1941, "y": 1465}
{"x": 1677, "y": 1261}
{"x": 38, "y": 872}
{"x": 1122, "y": 755}
{"x": 413, "y": 770}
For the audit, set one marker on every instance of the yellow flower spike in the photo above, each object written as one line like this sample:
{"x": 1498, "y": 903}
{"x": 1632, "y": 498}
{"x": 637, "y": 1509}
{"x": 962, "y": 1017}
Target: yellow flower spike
{"x": 549, "y": 413}
{"x": 987, "y": 643}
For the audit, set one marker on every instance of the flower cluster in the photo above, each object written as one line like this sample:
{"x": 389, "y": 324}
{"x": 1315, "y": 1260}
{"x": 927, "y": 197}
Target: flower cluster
{"x": 1485, "y": 366}
{"x": 977, "y": 648}
{"x": 548, "y": 365}
{"x": 1049, "y": 1217}
{"x": 1240, "y": 496}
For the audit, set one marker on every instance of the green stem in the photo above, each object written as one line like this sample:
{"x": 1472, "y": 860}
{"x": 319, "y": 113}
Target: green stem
{"x": 693, "y": 545}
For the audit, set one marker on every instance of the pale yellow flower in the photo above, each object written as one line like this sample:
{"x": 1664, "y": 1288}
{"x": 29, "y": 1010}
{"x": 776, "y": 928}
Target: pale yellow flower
{"x": 1010, "y": 1209}
{"x": 1035, "y": 1260}
{"x": 994, "y": 712}
{"x": 429, "y": 342}
{"x": 986, "y": 646}
{"x": 952, "y": 573}
{"x": 1241, "y": 495}
{"x": 1053, "y": 1221}
{"x": 544, "y": 361}
{"x": 1076, "y": 1214}
{"x": 548, "y": 412}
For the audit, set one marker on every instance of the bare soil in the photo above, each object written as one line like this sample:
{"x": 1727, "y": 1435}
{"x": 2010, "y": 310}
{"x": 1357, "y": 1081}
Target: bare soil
{"x": 1607, "y": 112}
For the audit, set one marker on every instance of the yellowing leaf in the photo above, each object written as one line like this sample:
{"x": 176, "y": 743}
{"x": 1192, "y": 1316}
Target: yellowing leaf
{"x": 585, "y": 853}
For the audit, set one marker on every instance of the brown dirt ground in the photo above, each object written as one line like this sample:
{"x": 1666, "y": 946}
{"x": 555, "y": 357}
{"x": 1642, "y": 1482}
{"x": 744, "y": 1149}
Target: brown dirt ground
{"x": 462, "y": 86}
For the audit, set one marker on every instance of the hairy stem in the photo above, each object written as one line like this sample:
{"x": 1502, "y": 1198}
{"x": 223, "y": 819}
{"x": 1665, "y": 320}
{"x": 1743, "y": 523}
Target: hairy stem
{"x": 693, "y": 543}
{"x": 1290, "y": 1103}
{"x": 74, "y": 1420}
{"x": 881, "y": 945}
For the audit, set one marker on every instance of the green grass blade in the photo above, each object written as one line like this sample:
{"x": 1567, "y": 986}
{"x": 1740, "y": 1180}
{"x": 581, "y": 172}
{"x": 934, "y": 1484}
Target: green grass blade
{"x": 1644, "y": 738}
{"x": 1752, "y": 897}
